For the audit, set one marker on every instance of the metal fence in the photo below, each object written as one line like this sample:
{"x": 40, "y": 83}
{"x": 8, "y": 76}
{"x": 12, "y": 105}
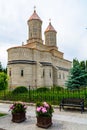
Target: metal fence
{"x": 53, "y": 96}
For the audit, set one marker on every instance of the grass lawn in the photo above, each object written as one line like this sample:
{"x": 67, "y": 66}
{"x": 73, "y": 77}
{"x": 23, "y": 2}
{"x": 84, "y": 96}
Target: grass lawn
{"x": 2, "y": 114}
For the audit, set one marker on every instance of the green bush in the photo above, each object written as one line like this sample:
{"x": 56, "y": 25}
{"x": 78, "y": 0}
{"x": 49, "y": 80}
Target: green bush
{"x": 42, "y": 89}
{"x": 20, "y": 89}
{"x": 57, "y": 88}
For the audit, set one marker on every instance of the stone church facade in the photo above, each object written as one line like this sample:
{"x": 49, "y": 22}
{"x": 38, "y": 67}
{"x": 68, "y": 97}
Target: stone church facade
{"x": 35, "y": 63}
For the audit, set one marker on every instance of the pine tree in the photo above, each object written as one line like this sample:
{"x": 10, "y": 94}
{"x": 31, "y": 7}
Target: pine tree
{"x": 78, "y": 75}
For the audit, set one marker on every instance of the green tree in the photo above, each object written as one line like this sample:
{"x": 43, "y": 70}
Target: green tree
{"x": 86, "y": 65}
{"x": 83, "y": 72}
{"x": 1, "y": 68}
{"x": 82, "y": 65}
{"x": 3, "y": 81}
{"x": 78, "y": 75}
{"x": 5, "y": 70}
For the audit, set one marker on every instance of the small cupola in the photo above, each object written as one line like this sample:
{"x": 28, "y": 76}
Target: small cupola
{"x": 50, "y": 28}
{"x": 50, "y": 35}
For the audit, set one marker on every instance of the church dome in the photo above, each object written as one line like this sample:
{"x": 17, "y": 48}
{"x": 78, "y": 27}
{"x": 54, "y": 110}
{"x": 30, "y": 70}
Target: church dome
{"x": 50, "y": 36}
{"x": 34, "y": 16}
{"x": 50, "y": 28}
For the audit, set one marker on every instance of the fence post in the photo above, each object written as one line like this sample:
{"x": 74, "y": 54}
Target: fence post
{"x": 4, "y": 95}
{"x": 29, "y": 93}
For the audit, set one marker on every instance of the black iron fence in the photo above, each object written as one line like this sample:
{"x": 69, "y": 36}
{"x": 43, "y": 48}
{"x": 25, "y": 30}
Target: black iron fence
{"x": 53, "y": 96}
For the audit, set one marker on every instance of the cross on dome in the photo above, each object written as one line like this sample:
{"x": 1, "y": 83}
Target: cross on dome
{"x": 50, "y": 20}
{"x": 34, "y": 8}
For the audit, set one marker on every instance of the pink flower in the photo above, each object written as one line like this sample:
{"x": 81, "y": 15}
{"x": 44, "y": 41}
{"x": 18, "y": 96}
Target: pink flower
{"x": 25, "y": 106}
{"x": 44, "y": 110}
{"x": 38, "y": 109}
{"x": 46, "y": 105}
{"x": 12, "y": 106}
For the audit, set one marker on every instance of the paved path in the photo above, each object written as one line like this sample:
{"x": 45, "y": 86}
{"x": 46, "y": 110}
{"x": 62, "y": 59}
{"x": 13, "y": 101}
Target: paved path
{"x": 64, "y": 120}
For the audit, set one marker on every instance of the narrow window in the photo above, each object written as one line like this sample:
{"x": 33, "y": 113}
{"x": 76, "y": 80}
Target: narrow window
{"x": 59, "y": 75}
{"x": 43, "y": 73}
{"x": 31, "y": 34}
{"x": 50, "y": 73}
{"x": 22, "y": 73}
{"x": 63, "y": 76}
{"x": 10, "y": 72}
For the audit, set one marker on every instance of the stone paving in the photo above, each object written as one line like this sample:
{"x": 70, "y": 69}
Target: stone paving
{"x": 64, "y": 120}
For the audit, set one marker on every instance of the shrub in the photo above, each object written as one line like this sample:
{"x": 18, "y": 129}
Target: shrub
{"x": 20, "y": 89}
{"x": 57, "y": 88}
{"x": 42, "y": 89}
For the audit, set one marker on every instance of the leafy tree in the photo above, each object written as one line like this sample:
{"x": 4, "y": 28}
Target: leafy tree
{"x": 3, "y": 81}
{"x": 78, "y": 75}
{"x": 1, "y": 69}
{"x": 5, "y": 70}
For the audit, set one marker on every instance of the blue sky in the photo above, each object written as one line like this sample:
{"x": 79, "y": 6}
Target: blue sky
{"x": 68, "y": 17}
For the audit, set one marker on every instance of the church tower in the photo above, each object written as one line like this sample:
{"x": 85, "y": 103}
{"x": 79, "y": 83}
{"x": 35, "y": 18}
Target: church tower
{"x": 50, "y": 36}
{"x": 34, "y": 28}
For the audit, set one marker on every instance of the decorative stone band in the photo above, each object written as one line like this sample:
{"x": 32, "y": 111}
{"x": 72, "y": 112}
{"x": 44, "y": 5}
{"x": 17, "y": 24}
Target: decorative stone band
{"x": 46, "y": 63}
{"x": 61, "y": 68}
{"x": 21, "y": 62}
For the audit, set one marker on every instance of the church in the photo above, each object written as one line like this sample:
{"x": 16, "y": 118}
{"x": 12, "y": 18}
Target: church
{"x": 37, "y": 63}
